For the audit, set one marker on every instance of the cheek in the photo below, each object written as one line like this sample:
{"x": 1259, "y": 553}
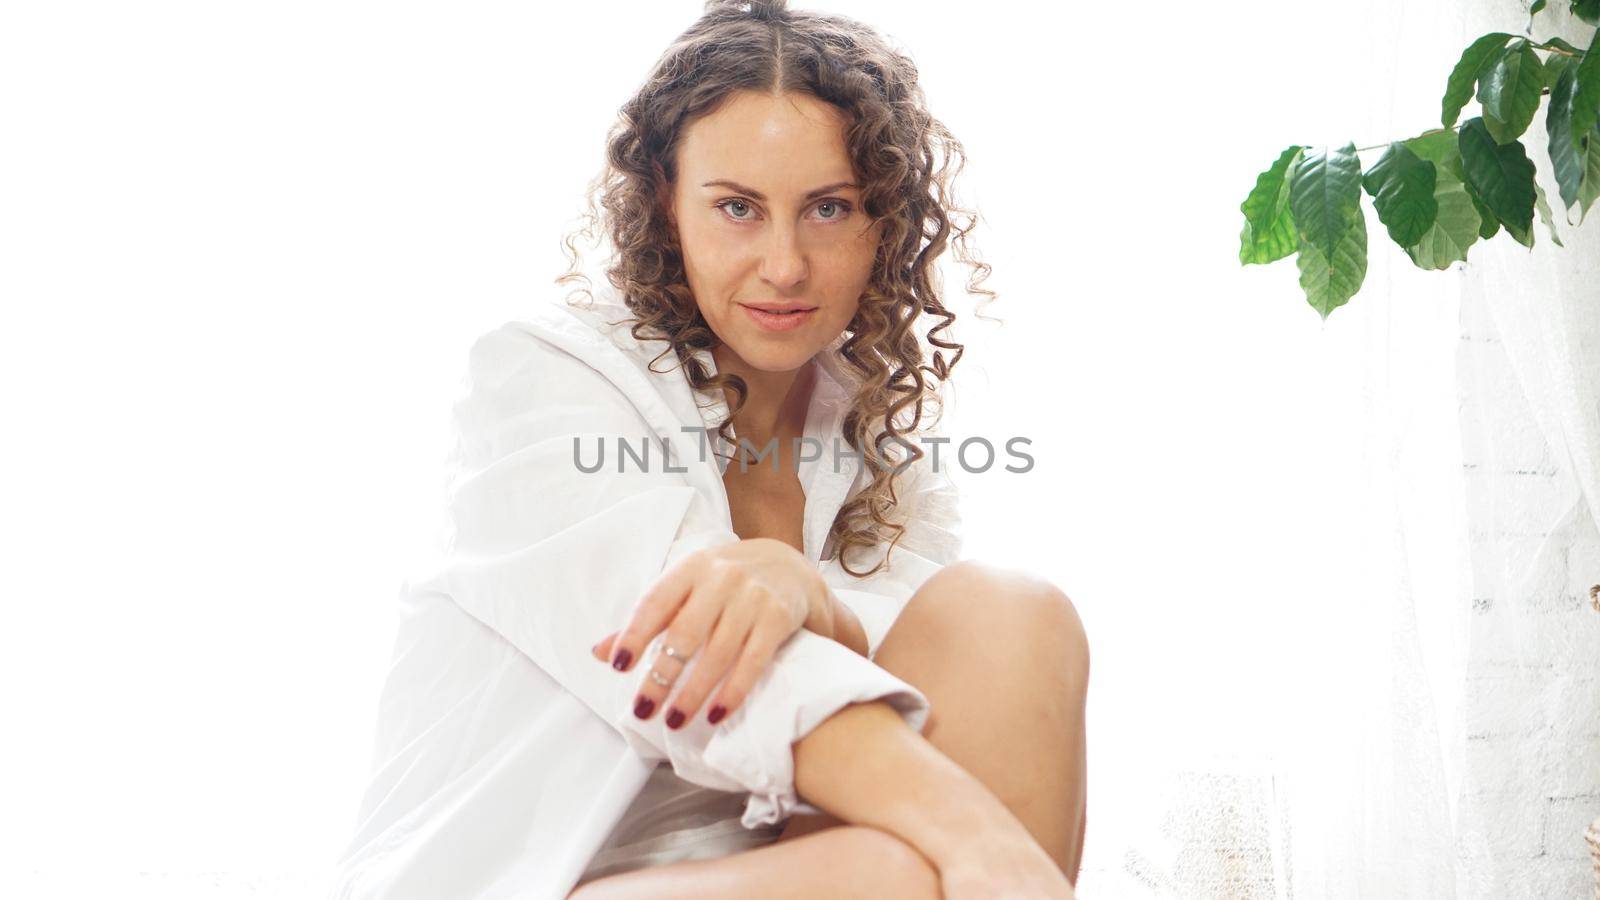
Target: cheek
{"x": 708, "y": 251}
{"x": 862, "y": 252}
{"x": 845, "y": 315}
{"x": 845, "y": 267}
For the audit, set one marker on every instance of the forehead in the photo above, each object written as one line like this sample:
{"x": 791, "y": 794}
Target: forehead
{"x": 759, "y": 137}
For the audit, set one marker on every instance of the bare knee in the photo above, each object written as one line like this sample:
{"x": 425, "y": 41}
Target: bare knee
{"x": 1058, "y": 624}
{"x": 1015, "y": 607}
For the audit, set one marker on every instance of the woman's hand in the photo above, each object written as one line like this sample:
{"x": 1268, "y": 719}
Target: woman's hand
{"x": 730, "y": 607}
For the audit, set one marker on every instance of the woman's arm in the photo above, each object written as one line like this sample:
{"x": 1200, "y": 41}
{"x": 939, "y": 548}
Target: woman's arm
{"x": 866, "y": 766}
{"x": 550, "y": 558}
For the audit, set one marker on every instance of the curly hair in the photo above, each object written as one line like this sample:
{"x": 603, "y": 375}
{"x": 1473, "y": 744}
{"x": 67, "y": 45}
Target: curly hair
{"x": 903, "y": 157}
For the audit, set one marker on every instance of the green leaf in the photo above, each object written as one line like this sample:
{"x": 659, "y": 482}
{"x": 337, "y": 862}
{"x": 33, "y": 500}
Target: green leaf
{"x": 1443, "y": 149}
{"x": 1330, "y": 279}
{"x": 1401, "y": 186}
{"x": 1587, "y": 10}
{"x": 1536, "y": 8}
{"x": 1269, "y": 232}
{"x": 1563, "y": 44}
{"x": 1494, "y": 125}
{"x": 1544, "y": 213}
{"x": 1440, "y": 148}
{"x": 1566, "y": 160}
{"x": 1554, "y": 65}
{"x": 1325, "y": 194}
{"x": 1454, "y": 229}
{"x": 1509, "y": 89}
{"x": 1590, "y": 190}
{"x": 1489, "y": 225}
{"x": 1502, "y": 175}
{"x": 1586, "y": 93}
{"x": 1462, "y": 78}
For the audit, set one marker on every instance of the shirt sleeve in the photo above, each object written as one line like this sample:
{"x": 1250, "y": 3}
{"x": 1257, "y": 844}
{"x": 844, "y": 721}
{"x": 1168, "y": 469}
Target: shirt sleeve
{"x": 932, "y": 540}
{"x": 553, "y": 558}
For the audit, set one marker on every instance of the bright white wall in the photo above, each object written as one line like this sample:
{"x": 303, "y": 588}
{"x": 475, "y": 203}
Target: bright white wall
{"x": 243, "y": 250}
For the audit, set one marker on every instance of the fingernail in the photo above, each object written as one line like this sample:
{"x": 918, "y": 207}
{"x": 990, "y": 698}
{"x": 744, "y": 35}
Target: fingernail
{"x": 674, "y": 718}
{"x": 717, "y": 712}
{"x": 643, "y": 708}
{"x": 624, "y": 656}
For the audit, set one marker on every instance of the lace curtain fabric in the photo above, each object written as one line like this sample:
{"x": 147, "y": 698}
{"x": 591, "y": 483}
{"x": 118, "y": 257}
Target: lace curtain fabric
{"x": 1425, "y": 719}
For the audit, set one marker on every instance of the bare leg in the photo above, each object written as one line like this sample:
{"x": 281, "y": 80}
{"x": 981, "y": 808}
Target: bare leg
{"x": 1003, "y": 658}
{"x": 847, "y": 862}
{"x": 1004, "y": 662}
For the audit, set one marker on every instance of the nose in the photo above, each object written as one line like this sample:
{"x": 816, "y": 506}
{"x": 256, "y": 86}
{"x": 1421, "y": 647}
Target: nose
{"x": 783, "y": 265}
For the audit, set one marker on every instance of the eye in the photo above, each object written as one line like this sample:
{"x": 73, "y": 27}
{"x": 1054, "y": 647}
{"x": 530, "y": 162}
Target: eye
{"x": 731, "y": 202}
{"x": 843, "y": 209}
{"x": 734, "y": 207}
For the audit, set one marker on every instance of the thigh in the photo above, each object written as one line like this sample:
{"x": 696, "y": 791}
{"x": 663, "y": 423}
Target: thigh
{"x": 1003, "y": 658}
{"x": 845, "y": 862}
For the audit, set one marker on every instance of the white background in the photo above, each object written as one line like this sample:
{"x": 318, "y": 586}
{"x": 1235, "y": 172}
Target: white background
{"x": 244, "y": 247}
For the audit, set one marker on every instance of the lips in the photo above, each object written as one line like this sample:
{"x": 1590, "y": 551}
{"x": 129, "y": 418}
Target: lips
{"x": 775, "y": 320}
{"x": 777, "y": 307}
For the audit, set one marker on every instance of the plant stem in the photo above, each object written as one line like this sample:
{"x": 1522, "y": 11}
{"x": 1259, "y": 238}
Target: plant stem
{"x": 1556, "y": 50}
{"x": 1542, "y": 93}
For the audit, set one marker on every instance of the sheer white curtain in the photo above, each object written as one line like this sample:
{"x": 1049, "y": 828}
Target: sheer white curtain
{"x": 1302, "y": 593}
{"x": 1530, "y": 383}
{"x": 1531, "y": 412}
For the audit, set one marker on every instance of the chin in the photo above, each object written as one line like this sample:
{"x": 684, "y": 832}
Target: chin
{"x": 773, "y": 356}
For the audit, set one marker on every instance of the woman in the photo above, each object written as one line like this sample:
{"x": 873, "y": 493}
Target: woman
{"x": 800, "y": 625}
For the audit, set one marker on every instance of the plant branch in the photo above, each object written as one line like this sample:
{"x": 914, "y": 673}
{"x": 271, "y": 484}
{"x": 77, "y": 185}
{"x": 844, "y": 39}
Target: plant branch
{"x": 1543, "y": 93}
{"x": 1556, "y": 50}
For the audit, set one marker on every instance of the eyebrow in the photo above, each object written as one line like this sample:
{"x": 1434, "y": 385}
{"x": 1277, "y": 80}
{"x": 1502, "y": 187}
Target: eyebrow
{"x": 811, "y": 194}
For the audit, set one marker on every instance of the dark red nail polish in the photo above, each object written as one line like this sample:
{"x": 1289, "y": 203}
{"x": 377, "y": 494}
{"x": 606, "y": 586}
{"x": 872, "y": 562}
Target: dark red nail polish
{"x": 624, "y": 656}
{"x": 643, "y": 708}
{"x": 717, "y": 712}
{"x": 674, "y": 718}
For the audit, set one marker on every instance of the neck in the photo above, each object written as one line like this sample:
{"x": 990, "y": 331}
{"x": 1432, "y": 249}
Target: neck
{"x": 776, "y": 402}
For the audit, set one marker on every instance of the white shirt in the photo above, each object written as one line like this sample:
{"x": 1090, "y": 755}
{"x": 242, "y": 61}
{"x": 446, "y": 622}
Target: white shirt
{"x": 505, "y": 752}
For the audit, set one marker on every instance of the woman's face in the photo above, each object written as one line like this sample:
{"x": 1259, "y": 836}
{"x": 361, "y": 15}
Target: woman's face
{"x": 767, "y": 214}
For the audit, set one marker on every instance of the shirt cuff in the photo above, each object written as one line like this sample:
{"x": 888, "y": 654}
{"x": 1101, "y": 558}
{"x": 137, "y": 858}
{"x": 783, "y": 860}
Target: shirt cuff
{"x": 811, "y": 678}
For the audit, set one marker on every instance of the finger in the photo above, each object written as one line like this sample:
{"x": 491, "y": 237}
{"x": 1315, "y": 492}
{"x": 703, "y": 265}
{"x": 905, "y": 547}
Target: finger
{"x": 685, "y": 635}
{"x": 715, "y": 660}
{"x": 769, "y": 633}
{"x": 654, "y": 610}
{"x": 602, "y": 650}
